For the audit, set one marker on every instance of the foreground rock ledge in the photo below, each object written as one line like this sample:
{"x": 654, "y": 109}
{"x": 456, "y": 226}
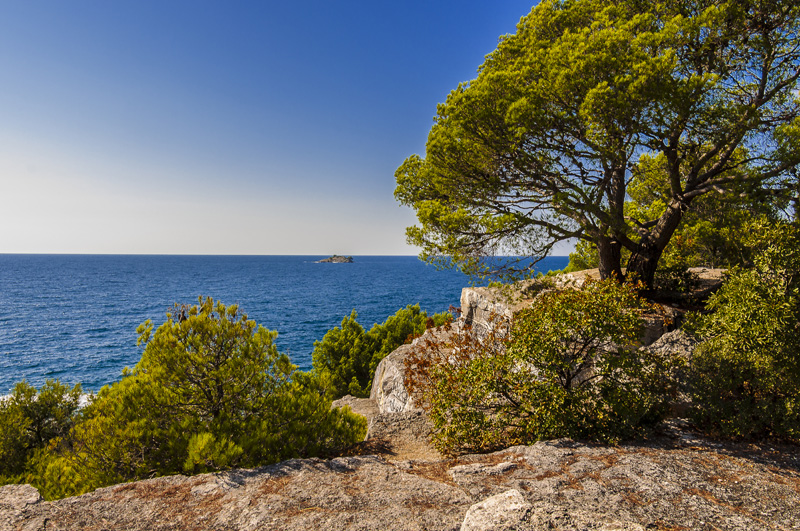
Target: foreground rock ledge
{"x": 679, "y": 483}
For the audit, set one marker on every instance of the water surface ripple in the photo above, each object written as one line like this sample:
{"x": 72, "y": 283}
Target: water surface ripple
{"x": 74, "y": 317}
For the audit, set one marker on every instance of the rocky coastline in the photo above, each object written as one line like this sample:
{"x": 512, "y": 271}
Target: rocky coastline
{"x": 675, "y": 480}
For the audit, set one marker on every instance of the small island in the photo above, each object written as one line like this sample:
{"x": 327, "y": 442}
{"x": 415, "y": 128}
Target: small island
{"x": 336, "y": 259}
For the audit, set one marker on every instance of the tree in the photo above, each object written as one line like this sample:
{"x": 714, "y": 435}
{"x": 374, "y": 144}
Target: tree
{"x": 347, "y": 356}
{"x": 541, "y": 146}
{"x": 713, "y": 233}
{"x": 211, "y": 391}
{"x": 31, "y": 419}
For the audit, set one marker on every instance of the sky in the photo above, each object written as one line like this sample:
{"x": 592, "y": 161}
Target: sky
{"x": 225, "y": 127}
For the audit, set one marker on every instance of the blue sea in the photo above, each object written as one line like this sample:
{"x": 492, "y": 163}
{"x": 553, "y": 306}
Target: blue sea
{"x": 74, "y": 317}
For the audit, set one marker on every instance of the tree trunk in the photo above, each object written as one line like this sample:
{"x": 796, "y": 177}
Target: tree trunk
{"x": 643, "y": 262}
{"x": 610, "y": 258}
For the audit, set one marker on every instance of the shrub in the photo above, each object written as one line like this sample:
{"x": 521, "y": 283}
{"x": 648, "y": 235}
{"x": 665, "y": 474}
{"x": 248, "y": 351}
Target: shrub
{"x": 210, "y": 392}
{"x": 31, "y": 419}
{"x": 566, "y": 367}
{"x": 348, "y": 356}
{"x": 746, "y": 369}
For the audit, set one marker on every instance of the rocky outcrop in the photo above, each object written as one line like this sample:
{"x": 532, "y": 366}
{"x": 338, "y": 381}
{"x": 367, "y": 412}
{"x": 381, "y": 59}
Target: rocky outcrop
{"x": 677, "y": 481}
{"x": 677, "y": 343}
{"x": 482, "y": 304}
{"x": 336, "y": 259}
{"x": 388, "y": 387}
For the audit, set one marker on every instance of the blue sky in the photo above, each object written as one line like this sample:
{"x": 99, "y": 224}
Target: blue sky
{"x": 224, "y": 127}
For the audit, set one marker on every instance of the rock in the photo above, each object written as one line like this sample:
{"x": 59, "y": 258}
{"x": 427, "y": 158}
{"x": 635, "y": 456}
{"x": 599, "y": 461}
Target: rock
{"x": 479, "y": 306}
{"x": 560, "y": 485}
{"x": 14, "y": 503}
{"x": 676, "y": 342}
{"x": 365, "y": 407}
{"x": 507, "y": 511}
{"x": 18, "y": 497}
{"x": 336, "y": 259}
{"x": 388, "y": 388}
{"x": 407, "y": 435}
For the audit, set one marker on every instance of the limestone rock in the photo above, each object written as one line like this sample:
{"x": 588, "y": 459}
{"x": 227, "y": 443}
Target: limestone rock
{"x": 365, "y": 407}
{"x": 675, "y": 342}
{"x": 667, "y": 483}
{"x": 388, "y": 388}
{"x": 479, "y": 306}
{"x": 406, "y": 434}
{"x": 502, "y": 512}
{"x": 15, "y": 501}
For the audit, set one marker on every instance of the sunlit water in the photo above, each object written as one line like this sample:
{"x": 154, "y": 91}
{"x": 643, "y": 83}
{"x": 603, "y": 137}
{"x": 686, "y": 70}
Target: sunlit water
{"x": 74, "y": 317}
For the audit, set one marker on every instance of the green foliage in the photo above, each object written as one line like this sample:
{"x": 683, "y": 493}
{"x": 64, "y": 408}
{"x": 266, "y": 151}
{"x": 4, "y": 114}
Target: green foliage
{"x": 567, "y": 367}
{"x": 583, "y": 257}
{"x": 56, "y": 475}
{"x": 13, "y": 440}
{"x": 542, "y": 145}
{"x": 713, "y": 233}
{"x": 206, "y": 453}
{"x": 31, "y": 419}
{"x": 347, "y": 356}
{"x": 210, "y": 392}
{"x": 747, "y": 368}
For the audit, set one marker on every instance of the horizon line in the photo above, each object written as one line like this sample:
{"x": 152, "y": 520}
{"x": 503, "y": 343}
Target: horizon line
{"x": 225, "y": 254}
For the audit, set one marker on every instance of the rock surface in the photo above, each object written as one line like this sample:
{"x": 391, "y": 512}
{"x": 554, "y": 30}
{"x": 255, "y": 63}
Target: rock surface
{"x": 388, "y": 386}
{"x": 680, "y": 482}
{"x": 388, "y": 389}
{"x": 502, "y": 512}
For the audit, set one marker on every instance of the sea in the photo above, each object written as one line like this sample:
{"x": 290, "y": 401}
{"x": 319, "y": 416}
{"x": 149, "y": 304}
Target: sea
{"x": 74, "y": 317}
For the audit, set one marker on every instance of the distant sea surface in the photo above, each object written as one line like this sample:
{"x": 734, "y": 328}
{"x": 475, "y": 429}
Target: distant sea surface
{"x": 74, "y": 317}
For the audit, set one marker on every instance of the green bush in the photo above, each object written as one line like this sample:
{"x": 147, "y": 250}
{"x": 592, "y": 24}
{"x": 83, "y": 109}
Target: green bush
{"x": 210, "y": 392}
{"x": 747, "y": 368}
{"x": 566, "y": 367}
{"x": 30, "y": 420}
{"x": 347, "y": 356}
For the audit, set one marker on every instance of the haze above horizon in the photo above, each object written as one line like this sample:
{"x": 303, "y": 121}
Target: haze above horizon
{"x": 224, "y": 128}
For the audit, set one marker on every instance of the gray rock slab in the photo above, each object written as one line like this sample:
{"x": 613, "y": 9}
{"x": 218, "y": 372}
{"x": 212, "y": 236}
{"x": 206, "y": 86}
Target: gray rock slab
{"x": 666, "y": 483}
{"x": 507, "y": 511}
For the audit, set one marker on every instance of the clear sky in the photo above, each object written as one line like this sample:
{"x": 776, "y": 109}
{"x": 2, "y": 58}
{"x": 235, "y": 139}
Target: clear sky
{"x": 225, "y": 127}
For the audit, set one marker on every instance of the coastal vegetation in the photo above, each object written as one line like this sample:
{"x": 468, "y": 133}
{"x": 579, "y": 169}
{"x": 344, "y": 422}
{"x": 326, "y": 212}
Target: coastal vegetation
{"x": 572, "y": 365}
{"x": 747, "y": 367}
{"x": 210, "y": 392}
{"x": 564, "y": 367}
{"x": 30, "y": 419}
{"x": 347, "y": 356}
{"x": 660, "y": 135}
